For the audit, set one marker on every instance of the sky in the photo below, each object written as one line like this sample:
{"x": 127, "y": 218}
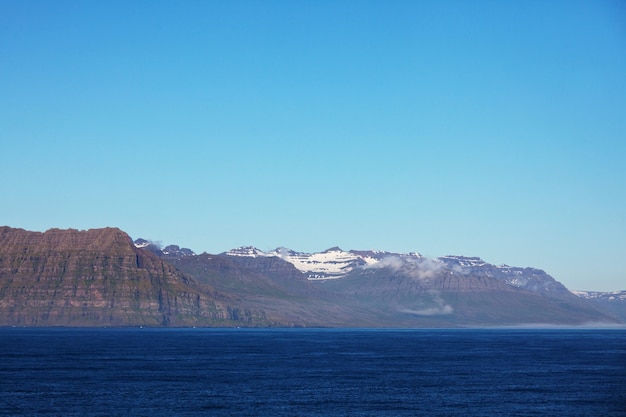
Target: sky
{"x": 477, "y": 128}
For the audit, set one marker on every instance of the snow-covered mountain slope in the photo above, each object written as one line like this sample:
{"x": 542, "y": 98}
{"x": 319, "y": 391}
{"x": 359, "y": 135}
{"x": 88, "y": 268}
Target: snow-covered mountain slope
{"x": 333, "y": 263}
{"x": 605, "y": 296}
{"x": 531, "y": 279}
{"x": 387, "y": 288}
{"x": 247, "y": 251}
{"x": 613, "y": 302}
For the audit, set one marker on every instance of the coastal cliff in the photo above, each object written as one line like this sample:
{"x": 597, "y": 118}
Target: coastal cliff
{"x": 99, "y": 278}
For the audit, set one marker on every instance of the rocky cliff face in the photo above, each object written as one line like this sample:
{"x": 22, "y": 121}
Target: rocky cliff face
{"x": 448, "y": 298}
{"x": 268, "y": 284}
{"x": 389, "y": 290}
{"x": 613, "y": 302}
{"x": 393, "y": 289}
{"x": 99, "y": 278}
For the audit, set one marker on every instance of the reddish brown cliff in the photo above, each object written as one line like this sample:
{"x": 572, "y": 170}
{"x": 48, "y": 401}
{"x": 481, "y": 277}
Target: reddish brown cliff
{"x": 99, "y": 278}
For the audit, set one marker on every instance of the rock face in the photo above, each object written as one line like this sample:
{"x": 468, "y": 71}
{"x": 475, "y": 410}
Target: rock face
{"x": 168, "y": 251}
{"x": 613, "y": 302}
{"x": 380, "y": 289}
{"x": 409, "y": 290}
{"x": 274, "y": 286}
{"x": 99, "y": 278}
{"x": 449, "y": 299}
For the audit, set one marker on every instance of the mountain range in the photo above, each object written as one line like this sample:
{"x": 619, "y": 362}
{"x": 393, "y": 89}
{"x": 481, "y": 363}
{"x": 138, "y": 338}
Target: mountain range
{"x": 101, "y": 277}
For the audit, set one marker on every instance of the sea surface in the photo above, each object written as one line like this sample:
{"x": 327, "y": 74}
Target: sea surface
{"x": 303, "y": 372}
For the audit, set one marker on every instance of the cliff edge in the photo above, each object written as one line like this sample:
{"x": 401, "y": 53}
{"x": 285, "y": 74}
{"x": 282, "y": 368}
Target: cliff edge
{"x": 99, "y": 278}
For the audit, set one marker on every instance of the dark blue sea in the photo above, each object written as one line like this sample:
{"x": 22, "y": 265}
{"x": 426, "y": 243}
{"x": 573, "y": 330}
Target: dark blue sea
{"x": 240, "y": 372}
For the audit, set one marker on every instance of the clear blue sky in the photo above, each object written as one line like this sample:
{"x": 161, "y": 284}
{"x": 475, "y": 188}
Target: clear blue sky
{"x": 478, "y": 128}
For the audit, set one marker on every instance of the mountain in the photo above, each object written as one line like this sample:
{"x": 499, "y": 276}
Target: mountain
{"x": 613, "y": 302}
{"x": 170, "y": 250}
{"x": 331, "y": 264}
{"x": 99, "y": 278}
{"x": 272, "y": 285}
{"x": 335, "y": 263}
{"x": 391, "y": 289}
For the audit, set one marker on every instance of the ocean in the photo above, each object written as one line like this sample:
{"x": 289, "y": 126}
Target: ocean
{"x": 312, "y": 372}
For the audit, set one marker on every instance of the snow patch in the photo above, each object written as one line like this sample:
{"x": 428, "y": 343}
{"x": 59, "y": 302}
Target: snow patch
{"x": 333, "y": 263}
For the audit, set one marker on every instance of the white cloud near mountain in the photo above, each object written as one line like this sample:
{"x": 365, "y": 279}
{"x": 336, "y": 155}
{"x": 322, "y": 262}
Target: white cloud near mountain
{"x": 440, "y": 308}
{"x": 420, "y": 268}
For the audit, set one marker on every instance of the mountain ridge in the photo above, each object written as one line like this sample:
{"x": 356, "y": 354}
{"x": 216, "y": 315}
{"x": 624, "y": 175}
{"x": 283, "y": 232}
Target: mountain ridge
{"x": 335, "y": 263}
{"x": 97, "y": 277}
{"x": 101, "y": 277}
{"x": 369, "y": 257}
{"x": 426, "y": 278}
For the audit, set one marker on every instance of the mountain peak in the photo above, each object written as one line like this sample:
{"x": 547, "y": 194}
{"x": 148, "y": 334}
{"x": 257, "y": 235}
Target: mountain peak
{"x": 333, "y": 249}
{"x": 462, "y": 260}
{"x": 175, "y": 250}
{"x": 98, "y": 277}
{"x": 250, "y": 251}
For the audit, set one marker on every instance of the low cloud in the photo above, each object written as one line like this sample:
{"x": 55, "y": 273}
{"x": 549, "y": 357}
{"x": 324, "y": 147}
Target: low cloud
{"x": 420, "y": 268}
{"x": 431, "y": 311}
{"x": 440, "y": 308}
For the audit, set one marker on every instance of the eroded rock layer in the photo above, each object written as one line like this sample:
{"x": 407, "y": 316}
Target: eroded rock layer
{"x": 99, "y": 278}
